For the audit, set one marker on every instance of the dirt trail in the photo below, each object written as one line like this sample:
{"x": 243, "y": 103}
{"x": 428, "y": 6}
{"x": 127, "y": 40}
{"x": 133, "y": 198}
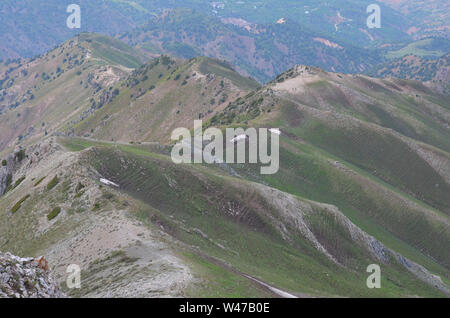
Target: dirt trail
{"x": 274, "y": 290}
{"x": 277, "y": 291}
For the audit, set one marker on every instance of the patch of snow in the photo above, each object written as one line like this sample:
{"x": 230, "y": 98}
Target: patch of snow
{"x": 277, "y": 291}
{"x": 107, "y": 182}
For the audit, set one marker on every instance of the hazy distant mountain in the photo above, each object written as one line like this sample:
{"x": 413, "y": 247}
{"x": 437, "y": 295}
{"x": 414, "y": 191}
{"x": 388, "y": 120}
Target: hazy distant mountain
{"x": 435, "y": 72}
{"x": 261, "y": 39}
{"x": 32, "y": 27}
{"x": 429, "y": 17}
{"x": 262, "y": 51}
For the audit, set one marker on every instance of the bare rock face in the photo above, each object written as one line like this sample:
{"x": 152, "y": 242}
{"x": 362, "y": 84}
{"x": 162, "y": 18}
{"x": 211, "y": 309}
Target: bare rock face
{"x": 3, "y": 179}
{"x": 21, "y": 160}
{"x": 13, "y": 160}
{"x": 26, "y": 278}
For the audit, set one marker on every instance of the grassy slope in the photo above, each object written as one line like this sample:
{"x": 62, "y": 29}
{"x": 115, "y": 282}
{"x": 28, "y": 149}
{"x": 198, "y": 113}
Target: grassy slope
{"x": 163, "y": 95}
{"x": 357, "y": 166}
{"x": 185, "y": 198}
{"x": 419, "y": 48}
{"x": 113, "y": 51}
{"x": 362, "y": 121}
{"x": 81, "y": 65}
{"x": 327, "y": 156}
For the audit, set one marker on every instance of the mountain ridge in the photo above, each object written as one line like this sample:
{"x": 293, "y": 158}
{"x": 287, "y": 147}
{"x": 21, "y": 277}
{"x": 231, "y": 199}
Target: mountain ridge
{"x": 434, "y": 73}
{"x": 314, "y": 32}
{"x": 363, "y": 178}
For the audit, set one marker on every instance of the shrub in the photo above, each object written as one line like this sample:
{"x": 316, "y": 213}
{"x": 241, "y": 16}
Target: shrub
{"x": 8, "y": 182}
{"x": 17, "y": 206}
{"x": 4, "y": 163}
{"x": 20, "y": 155}
{"x": 53, "y": 213}
{"x": 8, "y": 179}
{"x": 78, "y": 195}
{"x": 53, "y": 183}
{"x": 39, "y": 181}
{"x": 79, "y": 187}
{"x": 18, "y": 182}
{"x": 108, "y": 195}
{"x": 165, "y": 60}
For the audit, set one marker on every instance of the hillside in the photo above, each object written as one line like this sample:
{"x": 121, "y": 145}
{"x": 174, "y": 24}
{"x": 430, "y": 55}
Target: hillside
{"x": 375, "y": 148}
{"x": 165, "y": 94}
{"x": 33, "y": 92}
{"x": 434, "y": 16}
{"x": 364, "y": 179}
{"x": 172, "y": 230}
{"x": 372, "y": 123}
{"x": 434, "y": 72}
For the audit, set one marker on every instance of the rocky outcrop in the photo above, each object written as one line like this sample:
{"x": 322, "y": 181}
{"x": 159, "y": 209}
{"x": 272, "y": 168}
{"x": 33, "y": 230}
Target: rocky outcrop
{"x": 6, "y": 172}
{"x": 21, "y": 160}
{"x": 26, "y": 278}
{"x": 3, "y": 179}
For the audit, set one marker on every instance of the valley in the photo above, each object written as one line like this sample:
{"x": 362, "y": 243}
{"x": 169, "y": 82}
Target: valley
{"x": 364, "y": 177}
